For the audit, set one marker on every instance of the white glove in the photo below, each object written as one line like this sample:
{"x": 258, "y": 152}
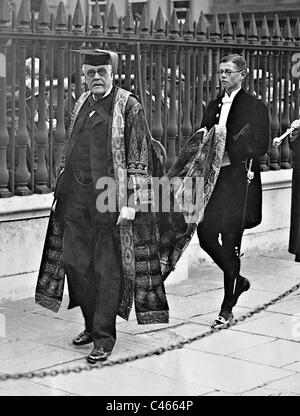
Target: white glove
{"x": 296, "y": 126}
{"x": 126, "y": 213}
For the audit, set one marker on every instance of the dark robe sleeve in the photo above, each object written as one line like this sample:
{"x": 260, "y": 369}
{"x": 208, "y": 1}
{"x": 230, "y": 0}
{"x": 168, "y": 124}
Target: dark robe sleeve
{"x": 253, "y": 139}
{"x": 207, "y": 116}
{"x": 294, "y": 142}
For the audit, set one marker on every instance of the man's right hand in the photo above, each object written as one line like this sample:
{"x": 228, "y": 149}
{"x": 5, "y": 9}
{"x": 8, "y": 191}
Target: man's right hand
{"x": 126, "y": 214}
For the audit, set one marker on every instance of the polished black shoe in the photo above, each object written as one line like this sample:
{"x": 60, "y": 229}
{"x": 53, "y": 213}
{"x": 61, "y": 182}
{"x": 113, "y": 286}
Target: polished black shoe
{"x": 222, "y": 319}
{"x": 97, "y": 355}
{"x": 242, "y": 285}
{"x": 83, "y": 338}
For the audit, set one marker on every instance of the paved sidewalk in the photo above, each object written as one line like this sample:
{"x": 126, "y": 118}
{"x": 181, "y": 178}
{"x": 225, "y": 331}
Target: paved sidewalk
{"x": 260, "y": 356}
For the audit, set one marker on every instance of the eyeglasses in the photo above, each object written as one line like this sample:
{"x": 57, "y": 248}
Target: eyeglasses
{"x": 103, "y": 72}
{"x": 227, "y": 72}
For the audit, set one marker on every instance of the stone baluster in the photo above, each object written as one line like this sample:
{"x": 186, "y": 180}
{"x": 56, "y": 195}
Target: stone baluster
{"x": 41, "y": 175}
{"x": 22, "y": 137}
{"x": 265, "y": 40}
{"x": 285, "y": 120}
{"x": 4, "y": 138}
{"x": 128, "y": 33}
{"x": 215, "y": 33}
{"x": 186, "y": 128}
{"x": 274, "y": 152}
{"x": 145, "y": 33}
{"x": 159, "y": 27}
{"x": 296, "y": 74}
{"x": 173, "y": 112}
{"x": 201, "y": 33}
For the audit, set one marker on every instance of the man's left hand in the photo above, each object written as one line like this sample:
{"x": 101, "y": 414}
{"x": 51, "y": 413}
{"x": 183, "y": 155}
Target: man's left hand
{"x": 126, "y": 214}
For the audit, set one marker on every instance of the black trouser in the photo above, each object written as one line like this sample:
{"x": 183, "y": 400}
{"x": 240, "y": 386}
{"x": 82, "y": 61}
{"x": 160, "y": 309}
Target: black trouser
{"x": 92, "y": 263}
{"x": 223, "y": 217}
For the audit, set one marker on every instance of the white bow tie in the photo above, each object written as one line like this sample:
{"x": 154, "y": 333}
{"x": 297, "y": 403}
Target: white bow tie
{"x": 227, "y": 99}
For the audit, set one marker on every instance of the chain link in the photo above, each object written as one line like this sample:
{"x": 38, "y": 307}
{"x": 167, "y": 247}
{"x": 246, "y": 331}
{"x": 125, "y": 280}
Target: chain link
{"x": 157, "y": 351}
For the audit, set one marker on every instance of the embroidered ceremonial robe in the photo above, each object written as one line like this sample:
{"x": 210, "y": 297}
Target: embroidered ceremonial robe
{"x": 152, "y": 244}
{"x": 131, "y": 152}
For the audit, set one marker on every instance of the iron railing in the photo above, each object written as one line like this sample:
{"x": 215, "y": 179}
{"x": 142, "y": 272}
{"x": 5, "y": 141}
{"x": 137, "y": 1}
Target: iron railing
{"x": 172, "y": 67}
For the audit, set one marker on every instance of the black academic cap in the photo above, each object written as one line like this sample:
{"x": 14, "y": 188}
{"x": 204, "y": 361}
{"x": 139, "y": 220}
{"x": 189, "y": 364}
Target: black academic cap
{"x": 99, "y": 57}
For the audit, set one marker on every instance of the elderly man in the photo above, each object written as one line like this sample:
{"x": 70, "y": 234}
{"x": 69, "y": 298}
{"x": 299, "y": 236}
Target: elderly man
{"x": 233, "y": 206}
{"x": 107, "y": 250}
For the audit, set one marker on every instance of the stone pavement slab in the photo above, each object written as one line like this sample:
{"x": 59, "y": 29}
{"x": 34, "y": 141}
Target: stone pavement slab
{"x": 189, "y": 288}
{"x": 279, "y": 253}
{"x": 256, "y": 297}
{"x": 220, "y": 393}
{"x": 28, "y": 388}
{"x": 72, "y": 315}
{"x": 23, "y": 306}
{"x": 207, "y": 319}
{"x": 210, "y": 370}
{"x": 277, "y": 353}
{"x": 128, "y": 345}
{"x": 289, "y": 306}
{"x": 274, "y": 325}
{"x": 278, "y": 284}
{"x": 229, "y": 342}
{"x": 289, "y": 384}
{"x": 263, "y": 391}
{"x": 125, "y": 380}
{"x": 133, "y": 328}
{"x": 22, "y": 356}
{"x": 4, "y": 340}
{"x": 206, "y": 280}
{"x": 256, "y": 357}
{"x": 185, "y": 307}
{"x": 250, "y": 299}
{"x": 260, "y": 391}
{"x": 268, "y": 264}
{"x": 177, "y": 334}
{"x": 276, "y": 275}
{"x": 41, "y": 329}
{"x": 295, "y": 366}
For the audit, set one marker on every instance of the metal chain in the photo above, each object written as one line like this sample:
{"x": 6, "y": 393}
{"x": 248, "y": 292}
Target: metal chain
{"x": 157, "y": 351}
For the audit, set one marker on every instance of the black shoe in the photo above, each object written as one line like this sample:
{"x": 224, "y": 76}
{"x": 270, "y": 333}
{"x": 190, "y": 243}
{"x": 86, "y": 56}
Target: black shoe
{"x": 83, "y": 338}
{"x": 223, "y": 318}
{"x": 242, "y": 285}
{"x": 97, "y": 355}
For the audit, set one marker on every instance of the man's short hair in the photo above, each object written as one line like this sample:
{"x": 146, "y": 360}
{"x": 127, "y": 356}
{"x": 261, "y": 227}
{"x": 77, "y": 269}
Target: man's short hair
{"x": 236, "y": 59}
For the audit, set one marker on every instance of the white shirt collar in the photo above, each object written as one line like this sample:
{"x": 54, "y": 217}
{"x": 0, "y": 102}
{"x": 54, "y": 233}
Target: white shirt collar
{"x": 228, "y": 99}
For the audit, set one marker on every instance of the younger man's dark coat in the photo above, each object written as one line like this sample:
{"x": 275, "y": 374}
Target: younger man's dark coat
{"x": 247, "y": 137}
